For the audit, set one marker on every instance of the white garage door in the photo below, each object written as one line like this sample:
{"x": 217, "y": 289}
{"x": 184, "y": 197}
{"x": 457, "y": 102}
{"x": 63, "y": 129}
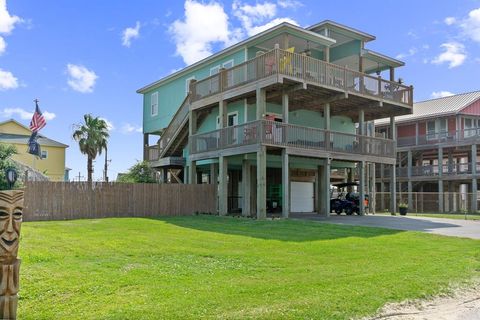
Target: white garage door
{"x": 301, "y": 196}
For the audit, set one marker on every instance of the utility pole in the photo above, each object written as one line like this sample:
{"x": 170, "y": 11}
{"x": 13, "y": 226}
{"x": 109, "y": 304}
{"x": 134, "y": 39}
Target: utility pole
{"x": 105, "y": 170}
{"x": 79, "y": 177}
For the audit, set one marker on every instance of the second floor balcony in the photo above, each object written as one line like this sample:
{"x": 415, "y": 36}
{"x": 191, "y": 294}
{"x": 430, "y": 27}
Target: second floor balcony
{"x": 444, "y": 138}
{"x": 299, "y": 139}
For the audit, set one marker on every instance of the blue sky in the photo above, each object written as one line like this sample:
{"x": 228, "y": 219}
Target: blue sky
{"x": 90, "y": 56}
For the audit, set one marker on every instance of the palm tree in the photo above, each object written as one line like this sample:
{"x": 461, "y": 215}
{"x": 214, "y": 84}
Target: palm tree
{"x": 92, "y": 139}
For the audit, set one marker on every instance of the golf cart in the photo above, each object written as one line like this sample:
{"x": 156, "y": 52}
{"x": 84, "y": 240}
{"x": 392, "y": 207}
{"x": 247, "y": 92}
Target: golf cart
{"x": 348, "y": 202}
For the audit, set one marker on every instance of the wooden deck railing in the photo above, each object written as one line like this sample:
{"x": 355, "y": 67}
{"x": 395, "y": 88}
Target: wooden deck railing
{"x": 289, "y": 135}
{"x": 304, "y": 68}
{"x": 432, "y": 170}
{"x": 153, "y": 153}
{"x": 467, "y": 135}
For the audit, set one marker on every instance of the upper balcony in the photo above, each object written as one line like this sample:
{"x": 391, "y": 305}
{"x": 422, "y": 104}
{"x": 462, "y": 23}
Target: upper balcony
{"x": 440, "y": 139}
{"x": 296, "y": 139}
{"x": 280, "y": 66}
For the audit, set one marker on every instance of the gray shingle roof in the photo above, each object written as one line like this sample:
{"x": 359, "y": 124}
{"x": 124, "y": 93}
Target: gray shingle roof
{"x": 436, "y": 107}
{"x": 23, "y": 139}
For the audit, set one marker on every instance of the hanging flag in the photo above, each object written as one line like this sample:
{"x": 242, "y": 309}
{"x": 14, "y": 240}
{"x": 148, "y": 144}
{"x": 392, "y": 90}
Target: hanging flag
{"x": 38, "y": 121}
{"x": 34, "y": 146}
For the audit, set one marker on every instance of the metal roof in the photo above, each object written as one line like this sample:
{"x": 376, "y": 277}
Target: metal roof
{"x": 341, "y": 27}
{"x": 23, "y": 139}
{"x": 436, "y": 107}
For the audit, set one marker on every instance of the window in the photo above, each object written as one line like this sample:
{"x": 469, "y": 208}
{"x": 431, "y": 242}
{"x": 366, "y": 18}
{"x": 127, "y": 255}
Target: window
{"x": 44, "y": 154}
{"x": 437, "y": 129}
{"x": 187, "y": 84}
{"x": 470, "y": 127}
{"x": 232, "y": 120}
{"x": 154, "y": 104}
{"x": 214, "y": 70}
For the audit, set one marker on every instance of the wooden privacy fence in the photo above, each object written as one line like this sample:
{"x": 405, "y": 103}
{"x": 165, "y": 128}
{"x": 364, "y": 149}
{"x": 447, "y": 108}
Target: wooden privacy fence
{"x": 76, "y": 200}
{"x": 427, "y": 201}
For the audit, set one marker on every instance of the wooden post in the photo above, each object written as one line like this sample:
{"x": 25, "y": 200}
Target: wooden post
{"x": 392, "y": 74}
{"x": 361, "y": 187}
{"x": 145, "y": 147}
{"x": 192, "y": 172}
{"x": 262, "y": 183}
{"x": 440, "y": 180}
{"x": 474, "y": 180}
{"x": 326, "y": 115}
{"x": 327, "y": 54}
{"x": 223, "y": 186}
{"x": 285, "y": 184}
{"x": 393, "y": 178}
{"x": 12, "y": 203}
{"x": 409, "y": 181}
{"x": 246, "y": 180}
{"x": 261, "y": 103}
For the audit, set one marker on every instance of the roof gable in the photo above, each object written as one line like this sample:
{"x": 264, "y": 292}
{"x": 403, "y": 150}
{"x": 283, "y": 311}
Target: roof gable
{"x": 14, "y": 127}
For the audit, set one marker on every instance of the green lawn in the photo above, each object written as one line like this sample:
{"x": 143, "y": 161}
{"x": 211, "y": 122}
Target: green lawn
{"x": 229, "y": 268}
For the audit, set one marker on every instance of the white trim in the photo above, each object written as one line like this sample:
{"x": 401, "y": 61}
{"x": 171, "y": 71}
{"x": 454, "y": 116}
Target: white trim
{"x": 46, "y": 154}
{"x": 215, "y": 67}
{"x": 234, "y": 113}
{"x": 154, "y": 111}
{"x": 217, "y": 120}
{"x": 229, "y": 61}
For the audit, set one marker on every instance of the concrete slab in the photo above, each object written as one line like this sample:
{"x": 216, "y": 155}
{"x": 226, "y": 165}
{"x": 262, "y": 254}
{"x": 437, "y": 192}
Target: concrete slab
{"x": 446, "y": 227}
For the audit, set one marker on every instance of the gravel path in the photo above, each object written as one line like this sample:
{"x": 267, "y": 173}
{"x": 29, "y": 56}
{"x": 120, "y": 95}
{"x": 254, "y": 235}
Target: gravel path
{"x": 463, "y": 304}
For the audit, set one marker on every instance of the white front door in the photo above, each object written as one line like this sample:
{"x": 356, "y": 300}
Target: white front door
{"x": 301, "y": 196}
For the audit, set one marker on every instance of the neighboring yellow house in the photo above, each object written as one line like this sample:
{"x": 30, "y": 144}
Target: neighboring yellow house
{"x": 52, "y": 162}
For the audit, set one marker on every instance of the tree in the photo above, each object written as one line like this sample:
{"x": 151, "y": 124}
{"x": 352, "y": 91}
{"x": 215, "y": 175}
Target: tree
{"x": 140, "y": 172}
{"x": 92, "y": 139}
{"x": 6, "y": 153}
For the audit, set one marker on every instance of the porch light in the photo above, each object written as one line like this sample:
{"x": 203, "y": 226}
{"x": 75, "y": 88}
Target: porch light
{"x": 11, "y": 175}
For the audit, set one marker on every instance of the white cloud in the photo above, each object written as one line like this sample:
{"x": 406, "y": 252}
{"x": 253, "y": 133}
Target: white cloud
{"x": 3, "y": 45}
{"x": 411, "y": 52}
{"x": 129, "y": 34}
{"x": 450, "y": 20}
{"x": 289, "y": 4}
{"x": 254, "y": 30}
{"x": 110, "y": 125}
{"x": 204, "y": 25}
{"x": 80, "y": 78}
{"x": 7, "y": 80}
{"x": 25, "y": 115}
{"x": 7, "y": 22}
{"x": 471, "y": 25}
{"x": 454, "y": 54}
{"x": 441, "y": 94}
{"x": 128, "y": 128}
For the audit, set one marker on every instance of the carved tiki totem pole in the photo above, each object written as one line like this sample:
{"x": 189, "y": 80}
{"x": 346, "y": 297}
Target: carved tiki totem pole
{"x": 11, "y": 210}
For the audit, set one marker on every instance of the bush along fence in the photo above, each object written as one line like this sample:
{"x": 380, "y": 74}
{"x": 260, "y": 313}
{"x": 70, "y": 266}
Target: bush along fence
{"x": 77, "y": 200}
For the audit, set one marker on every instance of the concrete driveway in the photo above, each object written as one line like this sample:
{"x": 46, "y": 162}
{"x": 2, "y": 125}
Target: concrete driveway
{"x": 446, "y": 227}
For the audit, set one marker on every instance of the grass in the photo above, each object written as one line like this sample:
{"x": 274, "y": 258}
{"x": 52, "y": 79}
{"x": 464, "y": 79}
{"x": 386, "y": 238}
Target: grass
{"x": 227, "y": 268}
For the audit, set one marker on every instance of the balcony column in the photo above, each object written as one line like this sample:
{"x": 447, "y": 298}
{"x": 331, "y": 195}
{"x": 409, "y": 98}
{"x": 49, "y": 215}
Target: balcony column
{"x": 326, "y": 53}
{"x": 262, "y": 183}
{"x": 326, "y": 115}
{"x": 393, "y": 174}
{"x": 361, "y": 187}
{"x": 223, "y": 186}
{"x": 222, "y": 113}
{"x": 246, "y": 181}
{"x": 285, "y": 107}
{"x": 285, "y": 184}
{"x": 213, "y": 173}
{"x": 382, "y": 187}
{"x": 440, "y": 180}
{"x": 409, "y": 179}
{"x": 261, "y": 103}
{"x": 323, "y": 193}
{"x": 474, "y": 180}
{"x": 372, "y": 200}
{"x": 145, "y": 147}
{"x": 392, "y": 74}
{"x": 192, "y": 129}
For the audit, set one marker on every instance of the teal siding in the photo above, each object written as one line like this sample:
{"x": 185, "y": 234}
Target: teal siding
{"x": 172, "y": 94}
{"x": 345, "y": 50}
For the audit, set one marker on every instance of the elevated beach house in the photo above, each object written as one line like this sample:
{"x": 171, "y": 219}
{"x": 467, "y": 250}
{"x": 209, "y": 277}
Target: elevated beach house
{"x": 272, "y": 118}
